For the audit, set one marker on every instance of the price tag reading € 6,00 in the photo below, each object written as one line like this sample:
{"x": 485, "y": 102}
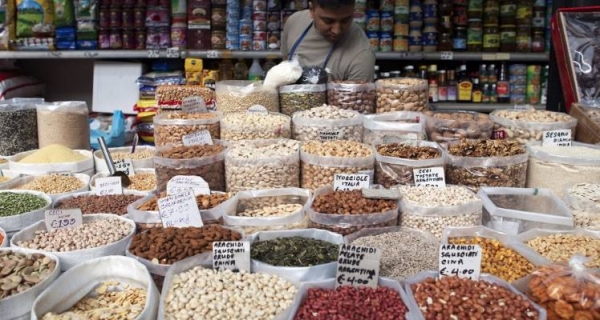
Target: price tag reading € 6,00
{"x": 559, "y": 138}
{"x": 181, "y": 184}
{"x": 62, "y": 218}
{"x": 197, "y": 138}
{"x": 109, "y": 185}
{"x": 179, "y": 210}
{"x": 347, "y": 182}
{"x": 231, "y": 255}
{"x": 125, "y": 165}
{"x": 461, "y": 260}
{"x": 430, "y": 177}
{"x": 357, "y": 266}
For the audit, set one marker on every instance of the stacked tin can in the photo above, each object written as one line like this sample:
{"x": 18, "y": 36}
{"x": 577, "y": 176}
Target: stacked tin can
{"x": 534, "y": 84}
{"x": 415, "y": 23}
{"x": 218, "y": 24}
{"x": 199, "y": 18}
{"x": 360, "y": 14}
{"x": 518, "y": 83}
{"x": 158, "y": 24}
{"x": 179, "y": 24}
{"x": 372, "y": 27}
{"x": 401, "y": 19}
{"x": 538, "y": 24}
{"x": 246, "y": 25}
{"x": 430, "y": 20}
{"x": 119, "y": 23}
{"x": 259, "y": 24}
{"x": 274, "y": 25}
{"x": 232, "y": 26}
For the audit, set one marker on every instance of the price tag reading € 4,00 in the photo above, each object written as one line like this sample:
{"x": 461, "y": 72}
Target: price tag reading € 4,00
{"x": 347, "y": 182}
{"x": 231, "y": 255}
{"x": 197, "y": 138}
{"x": 193, "y": 104}
{"x": 357, "y": 266}
{"x": 179, "y": 210}
{"x": 125, "y": 165}
{"x": 62, "y": 218}
{"x": 430, "y": 177}
{"x": 109, "y": 185}
{"x": 181, "y": 184}
{"x": 559, "y": 138}
{"x": 461, "y": 260}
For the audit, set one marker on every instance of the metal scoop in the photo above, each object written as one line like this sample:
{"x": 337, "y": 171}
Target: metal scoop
{"x": 125, "y": 182}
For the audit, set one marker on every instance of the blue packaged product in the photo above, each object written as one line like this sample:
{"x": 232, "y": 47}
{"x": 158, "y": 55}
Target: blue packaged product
{"x": 373, "y": 37}
{"x": 373, "y": 20}
{"x": 87, "y": 44}
{"x": 246, "y": 14}
{"x": 246, "y": 27}
{"x": 386, "y": 41}
{"x": 65, "y": 45}
{"x": 387, "y": 20}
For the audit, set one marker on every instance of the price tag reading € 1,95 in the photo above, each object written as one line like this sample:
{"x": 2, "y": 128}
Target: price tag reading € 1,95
{"x": 179, "y": 211}
{"x": 231, "y": 255}
{"x": 347, "y": 182}
{"x": 461, "y": 260}
{"x": 108, "y": 185}
{"x": 182, "y": 184}
{"x": 197, "y": 138}
{"x": 425, "y": 177}
{"x": 559, "y": 138}
{"x": 358, "y": 266}
{"x": 62, "y": 218}
{"x": 125, "y": 165}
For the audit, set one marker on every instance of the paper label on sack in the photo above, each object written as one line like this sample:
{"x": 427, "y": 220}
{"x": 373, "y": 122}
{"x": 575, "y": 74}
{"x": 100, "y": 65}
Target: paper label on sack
{"x": 193, "y": 104}
{"x": 347, "y": 182}
{"x": 197, "y": 138}
{"x": 125, "y": 165}
{"x": 258, "y": 109}
{"x": 559, "y": 138}
{"x": 179, "y": 210}
{"x": 426, "y": 177}
{"x": 357, "y": 266}
{"x": 62, "y": 218}
{"x": 391, "y": 194}
{"x": 231, "y": 255}
{"x": 108, "y": 185}
{"x": 330, "y": 135}
{"x": 462, "y": 260}
{"x": 524, "y": 107}
{"x": 406, "y": 138}
{"x": 181, "y": 184}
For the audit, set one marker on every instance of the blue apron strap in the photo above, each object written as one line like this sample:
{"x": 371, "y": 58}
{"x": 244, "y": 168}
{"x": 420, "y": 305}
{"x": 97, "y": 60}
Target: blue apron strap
{"x": 298, "y": 41}
{"x": 328, "y": 56}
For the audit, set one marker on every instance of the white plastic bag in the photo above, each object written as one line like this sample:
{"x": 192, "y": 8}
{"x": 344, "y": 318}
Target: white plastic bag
{"x": 81, "y": 280}
{"x": 16, "y": 183}
{"x": 15, "y": 223}
{"x": 286, "y": 72}
{"x": 65, "y": 123}
{"x": 36, "y": 169}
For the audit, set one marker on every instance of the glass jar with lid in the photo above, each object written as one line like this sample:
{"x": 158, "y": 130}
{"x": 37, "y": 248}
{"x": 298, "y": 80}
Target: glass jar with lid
{"x": 491, "y": 38}
{"x": 508, "y": 38}
{"x": 475, "y": 35}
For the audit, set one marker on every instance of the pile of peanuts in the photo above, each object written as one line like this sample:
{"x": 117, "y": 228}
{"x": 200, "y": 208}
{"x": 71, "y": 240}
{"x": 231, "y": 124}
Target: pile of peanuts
{"x": 262, "y": 165}
{"x": 205, "y": 202}
{"x": 389, "y": 173}
{"x": 320, "y": 161}
{"x": 402, "y": 94}
{"x": 53, "y": 184}
{"x": 219, "y": 295}
{"x": 352, "y": 95}
{"x": 327, "y": 123}
{"x": 432, "y": 199}
{"x": 206, "y": 161}
{"x": 251, "y": 126}
{"x": 455, "y": 298}
{"x": 169, "y": 245}
{"x": 561, "y": 247}
{"x": 90, "y": 234}
{"x": 498, "y": 259}
{"x": 169, "y": 128}
{"x": 110, "y": 300}
{"x": 114, "y": 203}
{"x": 352, "y": 303}
{"x": 448, "y": 126}
{"x": 518, "y": 124}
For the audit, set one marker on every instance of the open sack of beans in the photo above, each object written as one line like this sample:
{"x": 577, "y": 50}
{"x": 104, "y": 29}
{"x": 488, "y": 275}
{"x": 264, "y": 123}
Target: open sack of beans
{"x": 99, "y": 235}
{"x": 402, "y": 94}
{"x": 89, "y": 202}
{"x": 238, "y": 96}
{"x": 143, "y": 180}
{"x": 568, "y": 290}
{"x": 583, "y": 199}
{"x": 432, "y": 209}
{"x": 444, "y": 126}
{"x": 346, "y": 212}
{"x": 54, "y": 185}
{"x": 262, "y": 164}
{"x": 529, "y": 125}
{"x": 319, "y": 299}
{"x": 502, "y": 256}
{"x": 142, "y": 158}
{"x": 320, "y": 161}
{"x": 21, "y": 286}
{"x": 298, "y": 255}
{"x": 401, "y": 124}
{"x": 107, "y": 287}
{"x": 144, "y": 212}
{"x": 352, "y": 95}
{"x": 300, "y": 97}
{"x": 444, "y": 298}
{"x": 405, "y": 251}
{"x": 22, "y": 208}
{"x": 250, "y": 126}
{"x": 395, "y": 161}
{"x": 491, "y": 163}
{"x": 325, "y": 123}
{"x": 170, "y": 128}
{"x": 268, "y": 209}
{"x": 242, "y": 295}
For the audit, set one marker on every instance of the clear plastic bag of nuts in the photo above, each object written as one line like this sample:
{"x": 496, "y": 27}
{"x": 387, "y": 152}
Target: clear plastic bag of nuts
{"x": 171, "y": 127}
{"x": 170, "y": 97}
{"x": 444, "y": 126}
{"x": 401, "y": 124}
{"x": 299, "y": 97}
{"x": 352, "y": 95}
{"x": 249, "y": 126}
{"x": 529, "y": 125}
{"x": 327, "y": 123}
{"x": 396, "y": 168}
{"x": 346, "y": 224}
{"x": 583, "y": 199}
{"x": 402, "y": 94}
{"x": 238, "y": 96}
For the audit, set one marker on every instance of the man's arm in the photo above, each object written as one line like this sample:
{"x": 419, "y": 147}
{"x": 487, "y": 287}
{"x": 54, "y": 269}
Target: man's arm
{"x": 362, "y": 67}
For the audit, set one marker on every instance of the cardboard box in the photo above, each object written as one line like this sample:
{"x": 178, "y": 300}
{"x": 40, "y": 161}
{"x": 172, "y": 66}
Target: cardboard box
{"x": 115, "y": 86}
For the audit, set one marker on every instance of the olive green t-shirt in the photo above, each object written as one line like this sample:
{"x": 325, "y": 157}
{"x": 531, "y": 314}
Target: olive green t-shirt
{"x": 352, "y": 59}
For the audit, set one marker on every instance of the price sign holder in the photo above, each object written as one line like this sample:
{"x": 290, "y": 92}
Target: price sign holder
{"x": 108, "y": 185}
{"x": 347, "y": 182}
{"x": 173, "y": 52}
{"x": 193, "y": 104}
{"x": 231, "y": 255}
{"x": 461, "y": 260}
{"x": 182, "y": 184}
{"x": 559, "y": 138}
{"x": 62, "y": 218}
{"x": 446, "y": 55}
{"x": 197, "y": 138}
{"x": 153, "y": 53}
{"x": 125, "y": 165}
{"x": 179, "y": 211}
{"x": 330, "y": 135}
{"x": 358, "y": 266}
{"x": 434, "y": 176}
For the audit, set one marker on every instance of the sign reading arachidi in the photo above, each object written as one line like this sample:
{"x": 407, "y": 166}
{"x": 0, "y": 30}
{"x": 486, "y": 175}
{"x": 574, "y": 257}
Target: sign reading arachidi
{"x": 232, "y": 255}
{"x": 358, "y": 266}
{"x": 462, "y": 260}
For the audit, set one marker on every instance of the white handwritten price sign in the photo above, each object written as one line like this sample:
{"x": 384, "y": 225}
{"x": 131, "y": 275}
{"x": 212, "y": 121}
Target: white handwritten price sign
{"x": 258, "y": 109}
{"x": 182, "y": 184}
{"x": 179, "y": 210}
{"x": 347, "y": 182}
{"x": 425, "y": 177}
{"x": 197, "y": 138}
{"x": 125, "y": 165}
{"x": 62, "y": 218}
{"x": 330, "y": 135}
{"x": 357, "y": 266}
{"x": 108, "y": 185}
{"x": 193, "y": 104}
{"x": 560, "y": 138}
{"x": 460, "y": 260}
{"x": 231, "y": 255}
